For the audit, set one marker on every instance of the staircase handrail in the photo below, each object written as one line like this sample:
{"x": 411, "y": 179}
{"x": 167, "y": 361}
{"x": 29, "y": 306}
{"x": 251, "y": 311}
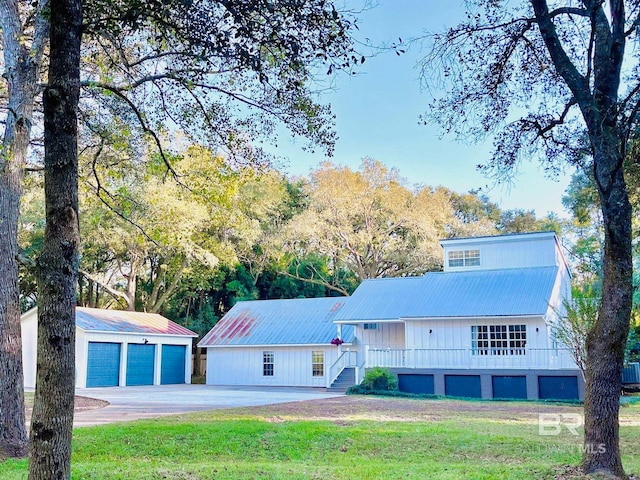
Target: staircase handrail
{"x": 344, "y": 360}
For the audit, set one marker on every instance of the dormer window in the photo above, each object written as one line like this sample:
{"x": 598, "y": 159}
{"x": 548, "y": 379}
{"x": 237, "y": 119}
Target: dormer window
{"x": 464, "y": 258}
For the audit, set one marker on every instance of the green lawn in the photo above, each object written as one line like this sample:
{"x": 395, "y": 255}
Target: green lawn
{"x": 351, "y": 438}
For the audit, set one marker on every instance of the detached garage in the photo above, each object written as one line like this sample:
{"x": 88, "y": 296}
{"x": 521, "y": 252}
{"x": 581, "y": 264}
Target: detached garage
{"x": 119, "y": 348}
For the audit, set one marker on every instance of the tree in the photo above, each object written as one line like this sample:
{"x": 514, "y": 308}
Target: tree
{"x": 200, "y": 66}
{"x": 566, "y": 67}
{"x": 474, "y": 214}
{"x": 574, "y": 323}
{"x": 370, "y": 223}
{"x": 164, "y": 229}
{"x": 586, "y": 228}
{"x": 23, "y": 40}
{"x": 52, "y": 418}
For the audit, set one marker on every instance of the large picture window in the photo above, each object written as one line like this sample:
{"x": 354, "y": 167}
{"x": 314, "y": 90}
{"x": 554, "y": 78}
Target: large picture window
{"x": 267, "y": 363}
{"x": 498, "y": 339}
{"x": 464, "y": 258}
{"x": 317, "y": 363}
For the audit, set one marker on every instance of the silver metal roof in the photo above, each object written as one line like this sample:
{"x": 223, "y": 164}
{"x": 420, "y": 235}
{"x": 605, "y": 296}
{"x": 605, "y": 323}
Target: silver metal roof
{"x": 307, "y": 321}
{"x": 481, "y": 293}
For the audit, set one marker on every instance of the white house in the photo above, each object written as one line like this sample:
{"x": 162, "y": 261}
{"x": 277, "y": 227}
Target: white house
{"x": 119, "y": 348}
{"x": 481, "y": 328}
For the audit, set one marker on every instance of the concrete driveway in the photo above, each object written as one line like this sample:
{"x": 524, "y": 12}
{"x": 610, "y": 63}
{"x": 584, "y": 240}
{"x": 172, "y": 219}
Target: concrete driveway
{"x": 132, "y": 403}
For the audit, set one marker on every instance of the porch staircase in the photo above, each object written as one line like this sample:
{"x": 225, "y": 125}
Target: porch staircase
{"x": 346, "y": 379}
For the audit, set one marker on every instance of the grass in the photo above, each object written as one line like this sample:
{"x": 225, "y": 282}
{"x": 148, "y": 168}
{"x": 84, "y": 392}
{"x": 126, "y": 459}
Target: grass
{"x": 275, "y": 443}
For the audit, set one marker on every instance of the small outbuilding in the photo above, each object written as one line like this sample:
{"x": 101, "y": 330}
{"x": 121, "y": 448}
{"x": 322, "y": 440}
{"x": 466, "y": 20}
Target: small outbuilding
{"x": 119, "y": 348}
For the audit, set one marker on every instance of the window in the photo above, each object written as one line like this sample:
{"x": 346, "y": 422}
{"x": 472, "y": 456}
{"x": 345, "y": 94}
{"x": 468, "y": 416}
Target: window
{"x": 267, "y": 364}
{"x": 456, "y": 259}
{"x": 498, "y": 339}
{"x": 517, "y": 339}
{"x": 317, "y": 363}
{"x": 464, "y": 258}
{"x": 370, "y": 326}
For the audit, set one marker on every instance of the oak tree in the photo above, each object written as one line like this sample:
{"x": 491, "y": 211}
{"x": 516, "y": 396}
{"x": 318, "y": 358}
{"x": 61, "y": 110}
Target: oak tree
{"x": 57, "y": 265}
{"x": 370, "y": 222}
{"x": 546, "y": 79}
{"x": 225, "y": 71}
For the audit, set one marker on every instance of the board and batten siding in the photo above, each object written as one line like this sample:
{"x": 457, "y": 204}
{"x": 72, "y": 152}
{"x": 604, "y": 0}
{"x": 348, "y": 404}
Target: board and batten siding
{"x": 29, "y": 327}
{"x": 516, "y": 253}
{"x": 244, "y": 365}
{"x": 385, "y": 335}
{"x": 456, "y": 333}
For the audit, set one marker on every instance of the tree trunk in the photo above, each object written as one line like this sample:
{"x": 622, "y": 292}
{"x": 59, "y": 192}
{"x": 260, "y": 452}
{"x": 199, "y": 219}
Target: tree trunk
{"x": 197, "y": 371}
{"x": 606, "y": 341}
{"x": 21, "y": 66}
{"x": 132, "y": 281}
{"x": 52, "y": 419}
{"x": 13, "y": 435}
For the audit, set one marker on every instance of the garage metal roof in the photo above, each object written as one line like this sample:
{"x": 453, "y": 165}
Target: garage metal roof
{"x": 119, "y": 321}
{"x": 510, "y": 292}
{"x": 306, "y": 321}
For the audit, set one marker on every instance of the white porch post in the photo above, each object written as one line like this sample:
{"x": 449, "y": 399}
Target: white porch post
{"x": 339, "y": 327}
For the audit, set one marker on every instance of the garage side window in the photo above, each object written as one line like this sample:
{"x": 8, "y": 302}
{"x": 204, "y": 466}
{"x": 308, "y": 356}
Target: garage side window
{"x": 267, "y": 363}
{"x": 317, "y": 363}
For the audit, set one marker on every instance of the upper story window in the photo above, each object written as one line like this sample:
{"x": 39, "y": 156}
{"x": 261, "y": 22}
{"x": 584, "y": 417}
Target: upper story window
{"x": 464, "y": 258}
{"x": 370, "y": 326}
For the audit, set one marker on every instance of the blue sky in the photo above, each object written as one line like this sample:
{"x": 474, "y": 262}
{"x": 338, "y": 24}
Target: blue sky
{"x": 377, "y": 116}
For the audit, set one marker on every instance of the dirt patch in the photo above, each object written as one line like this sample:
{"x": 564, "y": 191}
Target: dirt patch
{"x": 81, "y": 404}
{"x": 568, "y": 472}
{"x": 349, "y": 408}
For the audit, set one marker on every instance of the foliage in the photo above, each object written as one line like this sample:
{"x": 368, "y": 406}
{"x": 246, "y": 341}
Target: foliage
{"x": 378, "y": 378}
{"x": 632, "y": 352}
{"x": 559, "y": 83}
{"x": 574, "y": 323}
{"x": 370, "y": 222}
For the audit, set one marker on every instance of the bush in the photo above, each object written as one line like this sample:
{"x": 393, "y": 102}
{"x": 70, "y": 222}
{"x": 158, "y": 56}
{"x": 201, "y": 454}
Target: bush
{"x": 380, "y": 379}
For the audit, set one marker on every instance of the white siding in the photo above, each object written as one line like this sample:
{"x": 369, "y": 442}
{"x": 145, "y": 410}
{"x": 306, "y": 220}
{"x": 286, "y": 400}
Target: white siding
{"x": 386, "y": 335}
{"x": 243, "y": 366}
{"x": 507, "y": 252}
{"x": 456, "y": 333}
{"x": 29, "y": 324}
{"x": 448, "y": 344}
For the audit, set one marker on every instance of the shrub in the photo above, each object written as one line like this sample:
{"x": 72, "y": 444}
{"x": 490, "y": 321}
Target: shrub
{"x": 380, "y": 379}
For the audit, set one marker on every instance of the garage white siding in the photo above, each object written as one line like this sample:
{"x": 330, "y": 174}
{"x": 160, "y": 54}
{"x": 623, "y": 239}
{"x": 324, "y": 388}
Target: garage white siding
{"x": 125, "y": 328}
{"x": 244, "y": 366}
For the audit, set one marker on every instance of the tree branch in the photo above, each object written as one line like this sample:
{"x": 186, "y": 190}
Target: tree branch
{"x": 111, "y": 291}
{"x": 324, "y": 283}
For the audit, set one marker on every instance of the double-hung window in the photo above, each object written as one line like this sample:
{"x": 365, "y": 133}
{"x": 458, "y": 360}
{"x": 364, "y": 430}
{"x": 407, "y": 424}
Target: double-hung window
{"x": 317, "y": 363}
{"x": 268, "y": 360}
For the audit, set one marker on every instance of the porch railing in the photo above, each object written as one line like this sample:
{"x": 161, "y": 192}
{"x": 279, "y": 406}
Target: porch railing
{"x": 516, "y": 358}
{"x": 345, "y": 360}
